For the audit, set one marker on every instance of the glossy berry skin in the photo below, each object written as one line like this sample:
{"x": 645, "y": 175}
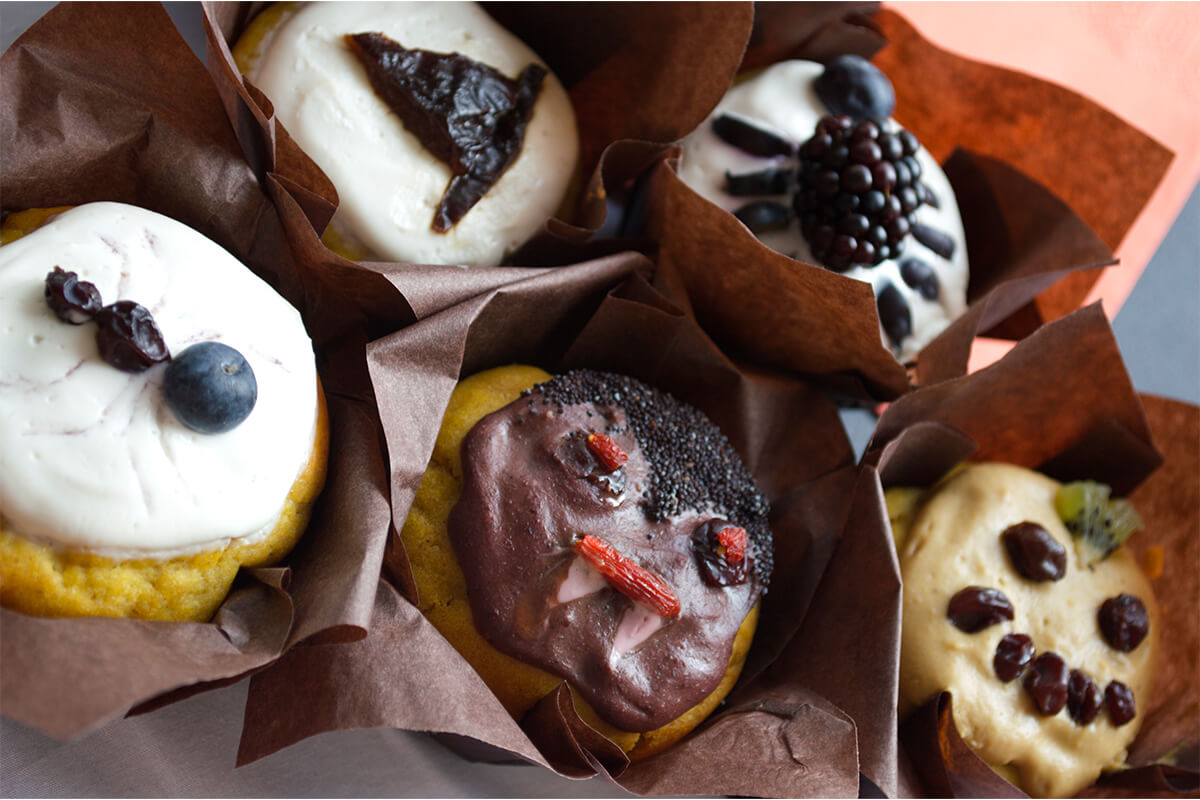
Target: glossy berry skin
{"x": 210, "y": 387}
{"x": 853, "y": 86}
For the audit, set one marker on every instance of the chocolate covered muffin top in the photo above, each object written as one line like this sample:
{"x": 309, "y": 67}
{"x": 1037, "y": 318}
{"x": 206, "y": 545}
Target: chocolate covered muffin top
{"x": 610, "y": 534}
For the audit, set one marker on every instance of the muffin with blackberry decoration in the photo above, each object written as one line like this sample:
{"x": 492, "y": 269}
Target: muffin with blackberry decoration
{"x": 161, "y": 420}
{"x": 591, "y": 529}
{"x": 808, "y": 158}
{"x": 1020, "y": 599}
{"x": 447, "y": 139}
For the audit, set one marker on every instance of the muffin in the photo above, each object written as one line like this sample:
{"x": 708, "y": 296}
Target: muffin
{"x": 591, "y": 529}
{"x": 808, "y": 158}
{"x": 447, "y": 139}
{"x": 161, "y": 420}
{"x": 1020, "y": 600}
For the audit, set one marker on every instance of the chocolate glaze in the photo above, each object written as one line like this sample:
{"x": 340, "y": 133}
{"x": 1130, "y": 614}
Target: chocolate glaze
{"x": 530, "y": 487}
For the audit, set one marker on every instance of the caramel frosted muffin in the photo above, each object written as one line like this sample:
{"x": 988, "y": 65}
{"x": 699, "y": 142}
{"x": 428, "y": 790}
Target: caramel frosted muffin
{"x": 1020, "y": 601}
{"x": 808, "y": 157}
{"x": 161, "y": 422}
{"x": 448, "y": 140}
{"x": 589, "y": 528}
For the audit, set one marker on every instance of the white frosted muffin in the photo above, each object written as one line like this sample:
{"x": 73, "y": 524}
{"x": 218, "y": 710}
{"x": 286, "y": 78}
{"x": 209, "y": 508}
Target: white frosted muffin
{"x": 109, "y": 504}
{"x": 1031, "y": 666}
{"x": 921, "y": 298}
{"x": 389, "y": 183}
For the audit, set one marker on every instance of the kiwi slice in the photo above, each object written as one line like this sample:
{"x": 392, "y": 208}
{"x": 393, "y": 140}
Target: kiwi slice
{"x": 1098, "y": 524}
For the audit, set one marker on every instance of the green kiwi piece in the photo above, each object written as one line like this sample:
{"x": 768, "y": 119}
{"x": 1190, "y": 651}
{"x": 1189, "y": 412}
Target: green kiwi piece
{"x": 1099, "y": 525}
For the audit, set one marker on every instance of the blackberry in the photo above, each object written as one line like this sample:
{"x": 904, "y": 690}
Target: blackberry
{"x": 858, "y": 189}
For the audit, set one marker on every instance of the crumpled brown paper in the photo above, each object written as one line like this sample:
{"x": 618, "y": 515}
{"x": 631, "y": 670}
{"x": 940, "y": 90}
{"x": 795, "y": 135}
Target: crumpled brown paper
{"x": 107, "y": 102}
{"x": 1062, "y": 402}
{"x": 1027, "y": 198}
{"x": 776, "y": 735}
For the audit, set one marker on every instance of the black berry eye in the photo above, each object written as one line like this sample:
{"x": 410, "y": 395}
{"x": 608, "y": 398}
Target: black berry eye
{"x": 210, "y": 387}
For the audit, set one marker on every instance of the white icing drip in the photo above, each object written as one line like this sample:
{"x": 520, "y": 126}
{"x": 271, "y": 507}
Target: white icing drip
{"x": 90, "y": 457}
{"x": 582, "y": 579}
{"x": 783, "y": 98}
{"x": 636, "y": 626}
{"x": 387, "y": 182}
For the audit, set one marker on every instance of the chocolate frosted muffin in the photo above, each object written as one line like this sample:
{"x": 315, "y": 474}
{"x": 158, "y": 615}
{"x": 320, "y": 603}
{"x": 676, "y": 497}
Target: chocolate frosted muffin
{"x": 603, "y": 533}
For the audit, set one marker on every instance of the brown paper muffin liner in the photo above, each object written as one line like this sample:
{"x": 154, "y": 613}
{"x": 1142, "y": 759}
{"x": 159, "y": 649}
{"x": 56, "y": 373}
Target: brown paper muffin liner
{"x": 779, "y": 733}
{"x": 1047, "y": 181}
{"x": 107, "y": 102}
{"x": 1061, "y": 402}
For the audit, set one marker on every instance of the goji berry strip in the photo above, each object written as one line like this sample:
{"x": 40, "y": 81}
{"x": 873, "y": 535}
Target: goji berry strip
{"x": 630, "y": 579}
{"x": 606, "y": 451}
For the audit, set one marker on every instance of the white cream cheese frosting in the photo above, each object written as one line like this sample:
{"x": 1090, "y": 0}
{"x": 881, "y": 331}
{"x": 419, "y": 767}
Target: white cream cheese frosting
{"x": 783, "y": 98}
{"x": 954, "y": 542}
{"x": 388, "y": 184}
{"x": 91, "y": 458}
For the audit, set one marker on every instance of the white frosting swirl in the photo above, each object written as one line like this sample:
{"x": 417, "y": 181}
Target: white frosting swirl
{"x": 388, "y": 184}
{"x": 91, "y": 458}
{"x": 782, "y": 97}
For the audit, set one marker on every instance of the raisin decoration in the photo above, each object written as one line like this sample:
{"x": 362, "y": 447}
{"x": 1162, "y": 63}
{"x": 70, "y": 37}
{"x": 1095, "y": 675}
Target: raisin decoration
{"x": 467, "y": 114}
{"x": 1118, "y": 698}
{"x": 1013, "y": 654}
{"x": 71, "y": 299}
{"x": 629, "y": 578}
{"x": 606, "y": 450}
{"x": 1046, "y": 683}
{"x": 1035, "y": 554}
{"x": 128, "y": 337}
{"x": 712, "y": 542}
{"x": 1084, "y": 698}
{"x": 1124, "y": 622}
{"x": 974, "y": 608}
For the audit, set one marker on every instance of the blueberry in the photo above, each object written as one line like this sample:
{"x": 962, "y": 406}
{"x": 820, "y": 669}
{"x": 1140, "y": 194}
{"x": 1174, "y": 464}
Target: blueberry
{"x": 853, "y": 86}
{"x": 210, "y": 387}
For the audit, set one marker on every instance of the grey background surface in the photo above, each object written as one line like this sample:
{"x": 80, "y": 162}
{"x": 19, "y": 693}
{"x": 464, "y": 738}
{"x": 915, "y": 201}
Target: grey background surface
{"x": 189, "y": 748}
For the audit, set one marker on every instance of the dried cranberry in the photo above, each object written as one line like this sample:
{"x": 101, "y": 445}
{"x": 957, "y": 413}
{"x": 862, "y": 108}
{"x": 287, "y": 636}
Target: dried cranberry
{"x": 1046, "y": 683}
{"x": 128, "y": 337}
{"x": 974, "y": 608}
{"x": 1034, "y": 553}
{"x": 1118, "y": 698}
{"x": 1013, "y": 654}
{"x": 1083, "y": 697}
{"x": 71, "y": 299}
{"x": 715, "y": 568}
{"x": 1124, "y": 622}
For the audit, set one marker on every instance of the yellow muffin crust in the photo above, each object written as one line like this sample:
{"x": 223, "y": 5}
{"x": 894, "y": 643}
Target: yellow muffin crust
{"x": 39, "y": 579}
{"x": 443, "y": 589}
